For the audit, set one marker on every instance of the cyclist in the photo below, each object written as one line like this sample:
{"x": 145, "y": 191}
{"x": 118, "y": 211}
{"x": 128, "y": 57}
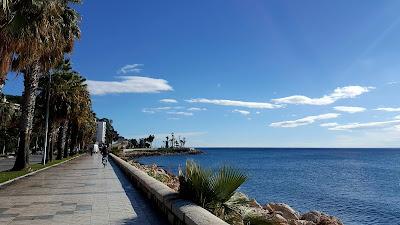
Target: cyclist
{"x": 104, "y": 153}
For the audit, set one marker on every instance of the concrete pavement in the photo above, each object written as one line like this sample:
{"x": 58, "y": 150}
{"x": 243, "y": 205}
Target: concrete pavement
{"x": 78, "y": 192}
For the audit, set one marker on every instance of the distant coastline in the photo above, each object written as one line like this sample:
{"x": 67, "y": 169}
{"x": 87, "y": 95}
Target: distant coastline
{"x": 310, "y": 148}
{"x": 145, "y": 152}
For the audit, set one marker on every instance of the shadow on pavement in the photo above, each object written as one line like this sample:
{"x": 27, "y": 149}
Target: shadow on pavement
{"x": 136, "y": 198}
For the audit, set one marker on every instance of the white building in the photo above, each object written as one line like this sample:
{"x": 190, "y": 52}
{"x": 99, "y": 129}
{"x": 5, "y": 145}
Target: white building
{"x": 100, "y": 132}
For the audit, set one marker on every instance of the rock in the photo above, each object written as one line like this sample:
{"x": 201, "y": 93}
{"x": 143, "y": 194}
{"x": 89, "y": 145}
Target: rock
{"x": 239, "y": 200}
{"x": 286, "y": 211}
{"x": 313, "y": 216}
{"x": 301, "y": 222}
{"x": 320, "y": 218}
{"x": 259, "y": 219}
{"x": 329, "y": 220}
{"x": 278, "y": 220}
{"x": 268, "y": 208}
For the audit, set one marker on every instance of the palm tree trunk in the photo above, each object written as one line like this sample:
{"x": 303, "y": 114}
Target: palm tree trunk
{"x": 67, "y": 140}
{"x": 52, "y": 139}
{"x": 74, "y": 138}
{"x": 48, "y": 154}
{"x": 61, "y": 139}
{"x": 31, "y": 80}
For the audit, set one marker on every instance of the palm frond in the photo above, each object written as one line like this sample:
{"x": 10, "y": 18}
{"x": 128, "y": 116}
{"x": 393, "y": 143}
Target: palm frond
{"x": 225, "y": 182}
{"x": 210, "y": 189}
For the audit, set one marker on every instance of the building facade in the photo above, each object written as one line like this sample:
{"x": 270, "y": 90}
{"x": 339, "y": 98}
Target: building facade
{"x": 100, "y": 132}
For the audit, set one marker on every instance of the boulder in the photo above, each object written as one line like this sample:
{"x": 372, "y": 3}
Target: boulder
{"x": 278, "y": 220}
{"x": 329, "y": 220}
{"x": 313, "y": 216}
{"x": 270, "y": 219}
{"x": 301, "y": 222}
{"x": 286, "y": 211}
{"x": 240, "y": 200}
{"x": 320, "y": 218}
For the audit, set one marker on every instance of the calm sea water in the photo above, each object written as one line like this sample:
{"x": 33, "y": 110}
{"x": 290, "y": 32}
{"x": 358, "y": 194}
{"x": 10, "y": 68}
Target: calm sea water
{"x": 360, "y": 186}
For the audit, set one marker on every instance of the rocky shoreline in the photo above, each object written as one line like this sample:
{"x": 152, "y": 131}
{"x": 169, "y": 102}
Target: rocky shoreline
{"x": 242, "y": 209}
{"x": 137, "y": 153}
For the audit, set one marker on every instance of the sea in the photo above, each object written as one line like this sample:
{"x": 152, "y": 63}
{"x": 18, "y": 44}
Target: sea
{"x": 359, "y": 186}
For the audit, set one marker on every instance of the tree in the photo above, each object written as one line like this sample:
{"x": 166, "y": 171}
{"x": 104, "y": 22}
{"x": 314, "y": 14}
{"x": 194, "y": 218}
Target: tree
{"x": 167, "y": 142}
{"x": 172, "y": 140}
{"x": 82, "y": 126}
{"x": 9, "y": 117}
{"x": 141, "y": 143}
{"x": 134, "y": 143}
{"x": 150, "y": 140}
{"x": 183, "y": 142}
{"x": 34, "y": 34}
{"x": 69, "y": 102}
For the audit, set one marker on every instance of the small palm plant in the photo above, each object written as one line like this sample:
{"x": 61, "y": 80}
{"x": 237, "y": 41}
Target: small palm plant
{"x": 210, "y": 189}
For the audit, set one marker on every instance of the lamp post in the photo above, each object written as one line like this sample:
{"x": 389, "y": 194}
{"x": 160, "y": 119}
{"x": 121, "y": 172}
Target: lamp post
{"x": 47, "y": 121}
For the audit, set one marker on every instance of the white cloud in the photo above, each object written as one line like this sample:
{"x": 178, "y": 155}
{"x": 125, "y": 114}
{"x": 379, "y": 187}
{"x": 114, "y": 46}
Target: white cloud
{"x": 369, "y": 125}
{"x": 196, "y": 109}
{"x": 148, "y": 111}
{"x": 305, "y": 121}
{"x": 168, "y": 100}
{"x": 243, "y": 112}
{"x": 128, "y": 84}
{"x": 258, "y": 112}
{"x": 338, "y": 93}
{"x": 397, "y": 117}
{"x": 224, "y": 102}
{"x": 328, "y": 124}
{"x": 161, "y": 109}
{"x": 132, "y": 68}
{"x": 392, "y": 83}
{"x": 181, "y": 113}
{"x": 349, "y": 109}
{"x": 173, "y": 118}
{"x": 389, "y": 109}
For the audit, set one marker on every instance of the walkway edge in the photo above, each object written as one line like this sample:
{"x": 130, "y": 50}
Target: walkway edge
{"x": 166, "y": 200}
{"x": 37, "y": 171}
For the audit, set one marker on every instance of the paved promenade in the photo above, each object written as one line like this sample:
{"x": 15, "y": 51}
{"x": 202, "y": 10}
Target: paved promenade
{"x": 78, "y": 192}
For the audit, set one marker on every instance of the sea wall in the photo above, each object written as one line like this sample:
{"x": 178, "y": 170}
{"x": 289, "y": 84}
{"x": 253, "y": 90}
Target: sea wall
{"x": 167, "y": 201}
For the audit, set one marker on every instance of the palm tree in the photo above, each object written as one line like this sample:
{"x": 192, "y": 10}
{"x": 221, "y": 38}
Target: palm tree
{"x": 8, "y": 126}
{"x": 34, "y": 34}
{"x": 68, "y": 91}
{"x": 172, "y": 140}
{"x": 210, "y": 189}
{"x": 167, "y": 142}
{"x": 82, "y": 119}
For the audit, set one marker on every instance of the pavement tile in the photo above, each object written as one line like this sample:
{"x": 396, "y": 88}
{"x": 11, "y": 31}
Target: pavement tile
{"x": 80, "y": 192}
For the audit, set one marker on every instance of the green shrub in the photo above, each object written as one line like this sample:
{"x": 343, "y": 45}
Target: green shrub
{"x": 116, "y": 151}
{"x": 209, "y": 189}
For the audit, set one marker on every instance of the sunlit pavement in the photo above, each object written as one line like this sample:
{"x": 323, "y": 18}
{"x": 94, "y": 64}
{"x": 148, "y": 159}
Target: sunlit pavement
{"x": 78, "y": 192}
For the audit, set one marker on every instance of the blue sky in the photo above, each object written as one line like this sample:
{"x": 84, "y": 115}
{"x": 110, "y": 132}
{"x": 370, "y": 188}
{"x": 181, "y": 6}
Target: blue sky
{"x": 245, "y": 73}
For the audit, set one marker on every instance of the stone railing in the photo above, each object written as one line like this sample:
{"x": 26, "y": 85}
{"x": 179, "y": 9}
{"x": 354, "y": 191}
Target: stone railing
{"x": 167, "y": 201}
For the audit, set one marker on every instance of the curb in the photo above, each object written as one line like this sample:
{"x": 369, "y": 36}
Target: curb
{"x": 37, "y": 171}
